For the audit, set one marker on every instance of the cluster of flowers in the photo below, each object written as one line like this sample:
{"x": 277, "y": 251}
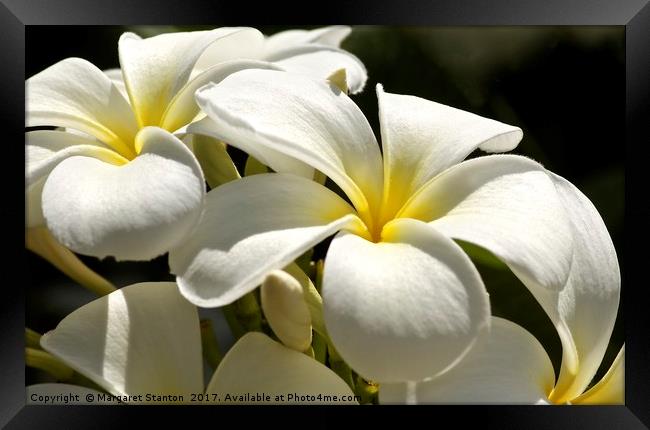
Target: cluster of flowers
{"x": 122, "y": 170}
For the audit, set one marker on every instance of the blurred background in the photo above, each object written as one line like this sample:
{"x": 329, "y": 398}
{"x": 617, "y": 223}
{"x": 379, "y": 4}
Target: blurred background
{"x": 564, "y": 86}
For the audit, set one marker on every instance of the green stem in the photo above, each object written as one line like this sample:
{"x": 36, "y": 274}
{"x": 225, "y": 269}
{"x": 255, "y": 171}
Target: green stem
{"x": 320, "y": 347}
{"x": 248, "y": 312}
{"x": 40, "y": 241}
{"x": 32, "y": 339}
{"x": 340, "y": 367}
{"x": 231, "y": 318}
{"x": 42, "y": 360}
{"x": 305, "y": 264}
{"x": 320, "y": 266}
{"x": 254, "y": 167}
{"x": 211, "y": 351}
{"x": 368, "y": 391}
{"x": 215, "y": 162}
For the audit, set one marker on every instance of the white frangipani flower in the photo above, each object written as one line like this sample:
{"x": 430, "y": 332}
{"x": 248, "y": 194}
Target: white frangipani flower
{"x": 402, "y": 302}
{"x": 145, "y": 339}
{"x": 508, "y": 366}
{"x": 116, "y": 182}
{"x": 511, "y": 366}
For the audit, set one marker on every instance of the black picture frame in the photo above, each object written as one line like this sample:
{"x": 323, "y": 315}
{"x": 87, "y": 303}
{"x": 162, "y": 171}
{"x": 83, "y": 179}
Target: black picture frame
{"x": 633, "y": 14}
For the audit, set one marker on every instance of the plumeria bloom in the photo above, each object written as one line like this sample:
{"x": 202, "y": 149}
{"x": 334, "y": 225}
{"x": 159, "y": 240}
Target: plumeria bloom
{"x": 145, "y": 339}
{"x": 508, "y": 366}
{"x": 402, "y": 301}
{"x": 116, "y": 181}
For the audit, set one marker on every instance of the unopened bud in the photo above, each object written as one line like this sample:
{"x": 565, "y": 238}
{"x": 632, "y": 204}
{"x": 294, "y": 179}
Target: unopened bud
{"x": 286, "y": 311}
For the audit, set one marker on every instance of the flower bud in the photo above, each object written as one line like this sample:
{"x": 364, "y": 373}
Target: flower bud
{"x": 286, "y": 311}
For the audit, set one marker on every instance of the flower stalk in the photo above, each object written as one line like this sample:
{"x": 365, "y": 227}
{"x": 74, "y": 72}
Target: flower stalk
{"x": 42, "y": 360}
{"x": 32, "y": 339}
{"x": 340, "y": 367}
{"x": 211, "y": 351}
{"x": 319, "y": 344}
{"x": 368, "y": 391}
{"x": 235, "y": 326}
{"x": 40, "y": 241}
{"x": 249, "y": 313}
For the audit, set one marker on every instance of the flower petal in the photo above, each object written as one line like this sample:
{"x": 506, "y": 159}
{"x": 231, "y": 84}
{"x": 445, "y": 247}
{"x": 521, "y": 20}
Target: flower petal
{"x": 611, "y": 389}
{"x": 156, "y": 68}
{"x": 508, "y": 205}
{"x": 403, "y": 309}
{"x": 319, "y": 62}
{"x": 269, "y": 157}
{"x": 115, "y": 75}
{"x": 133, "y": 212}
{"x": 240, "y": 43}
{"x": 257, "y": 364}
{"x": 421, "y": 138}
{"x": 141, "y": 339}
{"x": 74, "y": 93}
{"x": 584, "y": 312}
{"x": 507, "y": 365}
{"x": 312, "y": 121}
{"x": 183, "y": 109}
{"x": 330, "y": 36}
{"x": 250, "y": 227}
{"x": 45, "y": 149}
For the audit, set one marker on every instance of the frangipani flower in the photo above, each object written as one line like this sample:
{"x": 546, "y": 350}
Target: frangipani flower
{"x": 508, "y": 366}
{"x": 402, "y": 302}
{"x": 145, "y": 339}
{"x": 116, "y": 181}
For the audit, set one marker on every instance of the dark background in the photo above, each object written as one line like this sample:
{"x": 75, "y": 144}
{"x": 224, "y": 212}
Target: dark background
{"x": 564, "y": 86}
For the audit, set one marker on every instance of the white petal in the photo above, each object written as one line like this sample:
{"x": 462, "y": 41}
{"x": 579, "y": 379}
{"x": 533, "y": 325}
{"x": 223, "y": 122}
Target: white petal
{"x": 403, "y": 309}
{"x": 156, "y": 68}
{"x": 250, "y": 227}
{"x": 241, "y": 43}
{"x": 329, "y": 36}
{"x": 507, "y": 365}
{"x": 312, "y": 121}
{"x": 143, "y": 338}
{"x": 257, "y": 364}
{"x": 183, "y": 108}
{"x": 132, "y": 212}
{"x": 45, "y": 149}
{"x": 611, "y": 389}
{"x": 584, "y": 312}
{"x": 115, "y": 75}
{"x": 62, "y": 394}
{"x": 286, "y": 310}
{"x": 421, "y": 138}
{"x": 74, "y": 93}
{"x": 319, "y": 62}
{"x": 508, "y": 205}
{"x": 269, "y": 157}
